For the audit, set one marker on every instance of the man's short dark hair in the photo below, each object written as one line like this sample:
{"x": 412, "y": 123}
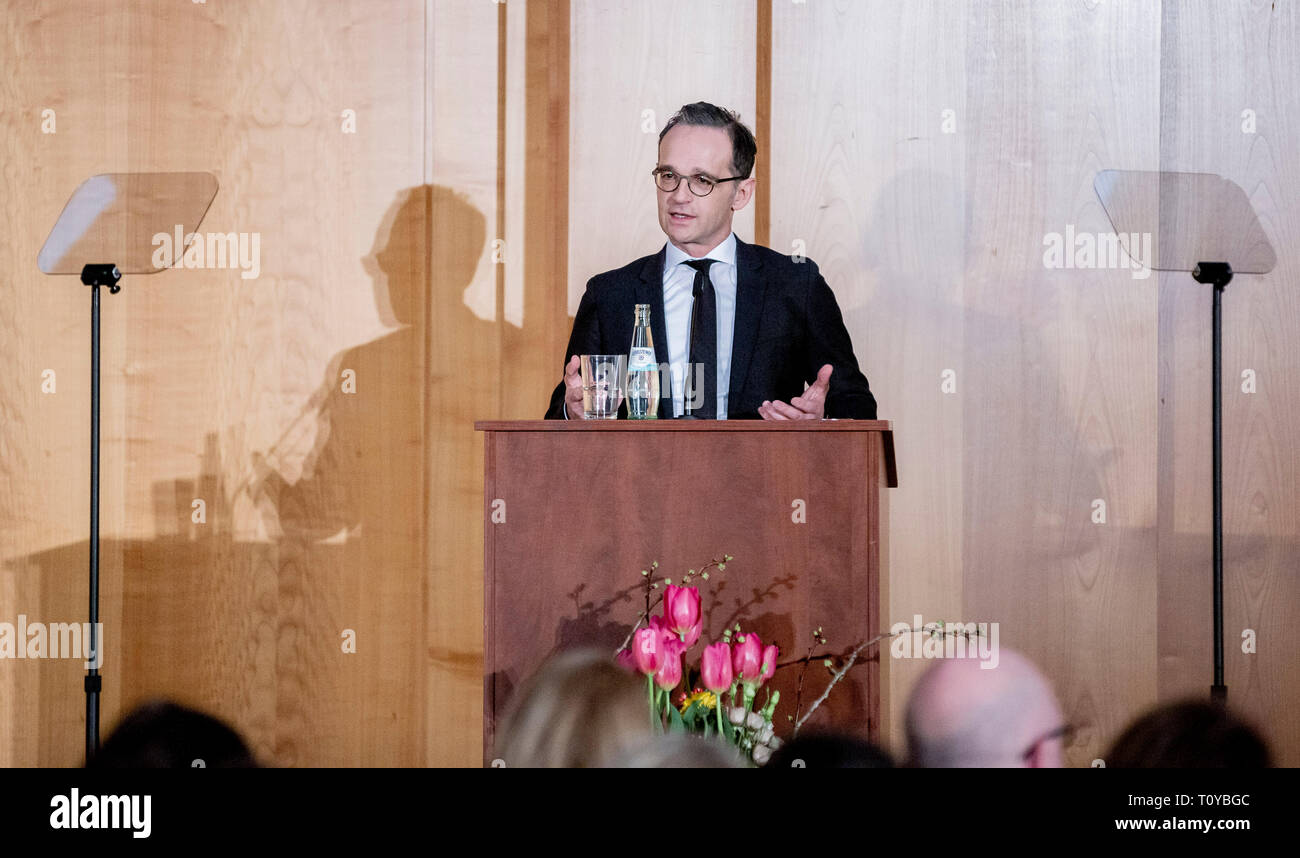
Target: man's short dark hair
{"x": 701, "y": 113}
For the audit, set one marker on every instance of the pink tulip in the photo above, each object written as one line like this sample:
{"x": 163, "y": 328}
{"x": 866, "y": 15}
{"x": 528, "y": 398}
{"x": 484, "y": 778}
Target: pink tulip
{"x": 671, "y": 636}
{"x": 669, "y": 643}
{"x": 668, "y": 640}
{"x": 670, "y": 672}
{"x": 647, "y": 650}
{"x": 626, "y": 660}
{"x": 769, "y": 662}
{"x": 660, "y": 625}
{"x": 682, "y": 612}
{"x": 749, "y": 659}
{"x": 715, "y": 667}
{"x": 689, "y": 636}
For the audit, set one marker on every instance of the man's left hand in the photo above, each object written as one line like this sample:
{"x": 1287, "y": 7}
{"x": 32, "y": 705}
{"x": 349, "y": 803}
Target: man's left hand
{"x": 810, "y": 406}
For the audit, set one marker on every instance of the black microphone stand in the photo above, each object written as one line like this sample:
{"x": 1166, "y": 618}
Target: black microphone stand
{"x": 95, "y": 276}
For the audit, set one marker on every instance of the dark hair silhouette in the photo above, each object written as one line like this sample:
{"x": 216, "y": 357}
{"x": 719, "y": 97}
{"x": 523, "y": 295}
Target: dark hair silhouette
{"x": 1193, "y": 734}
{"x": 829, "y": 751}
{"x": 163, "y": 735}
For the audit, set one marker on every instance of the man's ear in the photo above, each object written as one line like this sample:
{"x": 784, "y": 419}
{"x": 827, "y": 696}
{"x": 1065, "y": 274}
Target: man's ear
{"x": 744, "y": 193}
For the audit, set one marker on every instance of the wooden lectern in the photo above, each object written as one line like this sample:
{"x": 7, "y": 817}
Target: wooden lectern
{"x": 574, "y": 510}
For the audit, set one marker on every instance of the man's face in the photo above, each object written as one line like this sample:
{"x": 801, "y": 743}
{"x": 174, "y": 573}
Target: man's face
{"x": 699, "y": 224}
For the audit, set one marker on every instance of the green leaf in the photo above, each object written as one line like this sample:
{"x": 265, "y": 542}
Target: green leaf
{"x": 675, "y": 722}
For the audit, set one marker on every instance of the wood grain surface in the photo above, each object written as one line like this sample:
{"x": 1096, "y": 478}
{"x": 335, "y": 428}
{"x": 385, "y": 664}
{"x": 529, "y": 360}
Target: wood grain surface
{"x": 632, "y": 65}
{"x": 1228, "y": 106}
{"x": 571, "y": 516}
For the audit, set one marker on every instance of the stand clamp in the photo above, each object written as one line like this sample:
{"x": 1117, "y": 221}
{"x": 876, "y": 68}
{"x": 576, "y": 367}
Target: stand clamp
{"x": 102, "y": 275}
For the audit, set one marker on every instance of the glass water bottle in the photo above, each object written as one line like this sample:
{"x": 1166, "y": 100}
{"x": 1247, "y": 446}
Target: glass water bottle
{"x": 642, "y": 370}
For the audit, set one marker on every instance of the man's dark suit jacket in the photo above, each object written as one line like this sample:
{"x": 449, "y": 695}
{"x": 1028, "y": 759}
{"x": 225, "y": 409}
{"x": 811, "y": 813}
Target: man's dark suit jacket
{"x": 787, "y": 327}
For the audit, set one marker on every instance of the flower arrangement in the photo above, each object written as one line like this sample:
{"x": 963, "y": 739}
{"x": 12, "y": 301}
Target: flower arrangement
{"x": 716, "y": 698}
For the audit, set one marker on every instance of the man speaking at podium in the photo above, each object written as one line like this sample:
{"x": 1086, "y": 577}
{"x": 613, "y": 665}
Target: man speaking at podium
{"x": 761, "y": 324}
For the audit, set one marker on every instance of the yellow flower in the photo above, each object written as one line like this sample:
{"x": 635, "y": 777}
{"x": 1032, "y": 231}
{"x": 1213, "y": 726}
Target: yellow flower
{"x": 707, "y": 699}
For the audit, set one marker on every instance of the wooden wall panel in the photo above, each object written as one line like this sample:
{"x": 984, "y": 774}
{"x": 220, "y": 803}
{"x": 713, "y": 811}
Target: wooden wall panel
{"x": 45, "y": 325}
{"x": 869, "y": 184}
{"x": 227, "y": 389}
{"x": 537, "y": 329}
{"x": 632, "y": 66}
{"x": 464, "y": 359}
{"x": 320, "y": 481}
{"x": 1060, "y": 391}
{"x": 1245, "y": 127}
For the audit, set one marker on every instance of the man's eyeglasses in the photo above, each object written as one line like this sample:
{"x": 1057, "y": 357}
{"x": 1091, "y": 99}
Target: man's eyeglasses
{"x": 699, "y": 184}
{"x": 1065, "y": 733}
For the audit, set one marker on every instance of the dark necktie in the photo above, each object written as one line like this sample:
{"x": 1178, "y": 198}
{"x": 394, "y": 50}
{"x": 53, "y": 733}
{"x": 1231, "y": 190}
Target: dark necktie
{"x": 704, "y": 345}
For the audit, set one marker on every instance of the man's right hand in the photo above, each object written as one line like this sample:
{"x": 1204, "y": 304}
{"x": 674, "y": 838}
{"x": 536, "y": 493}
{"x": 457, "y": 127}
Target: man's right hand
{"x": 573, "y": 407}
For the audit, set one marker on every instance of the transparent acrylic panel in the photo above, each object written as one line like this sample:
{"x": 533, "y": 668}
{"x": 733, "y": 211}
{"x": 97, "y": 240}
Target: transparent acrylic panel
{"x": 117, "y": 217}
{"x": 1190, "y": 218}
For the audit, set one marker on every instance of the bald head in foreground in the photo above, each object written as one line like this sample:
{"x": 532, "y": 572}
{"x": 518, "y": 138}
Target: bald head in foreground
{"x": 961, "y": 715}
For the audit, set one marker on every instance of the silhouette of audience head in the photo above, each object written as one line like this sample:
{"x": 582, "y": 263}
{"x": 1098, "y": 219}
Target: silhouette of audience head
{"x": 680, "y": 751}
{"x": 581, "y": 710}
{"x": 829, "y": 751}
{"x": 962, "y": 715}
{"x": 164, "y": 735}
{"x": 1192, "y": 734}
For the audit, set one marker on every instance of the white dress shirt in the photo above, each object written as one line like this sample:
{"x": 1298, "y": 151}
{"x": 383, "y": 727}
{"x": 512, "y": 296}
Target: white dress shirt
{"x": 679, "y": 278}
{"x": 679, "y": 282}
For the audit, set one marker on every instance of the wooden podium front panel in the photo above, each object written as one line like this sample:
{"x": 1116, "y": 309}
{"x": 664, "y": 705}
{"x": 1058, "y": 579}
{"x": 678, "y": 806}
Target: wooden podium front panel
{"x": 582, "y": 508}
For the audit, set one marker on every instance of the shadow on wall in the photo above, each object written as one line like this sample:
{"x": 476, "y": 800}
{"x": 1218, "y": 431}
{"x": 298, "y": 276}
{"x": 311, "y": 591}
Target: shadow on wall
{"x": 257, "y": 631}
